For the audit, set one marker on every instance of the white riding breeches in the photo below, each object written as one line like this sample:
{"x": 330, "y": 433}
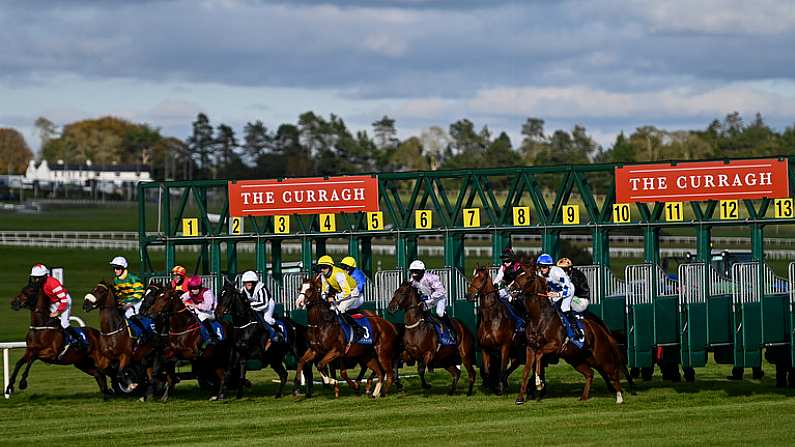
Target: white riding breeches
{"x": 267, "y": 315}
{"x": 133, "y": 310}
{"x": 504, "y": 294}
{"x": 565, "y": 305}
{"x": 204, "y": 315}
{"x": 349, "y": 303}
{"x": 66, "y": 313}
{"x": 440, "y": 305}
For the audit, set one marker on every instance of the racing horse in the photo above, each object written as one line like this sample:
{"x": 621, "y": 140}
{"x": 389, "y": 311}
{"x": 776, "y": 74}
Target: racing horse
{"x": 327, "y": 342}
{"x": 249, "y": 339}
{"x": 45, "y": 340}
{"x": 496, "y": 331}
{"x": 117, "y": 344}
{"x": 185, "y": 340}
{"x": 421, "y": 342}
{"x": 546, "y": 336}
{"x": 160, "y": 340}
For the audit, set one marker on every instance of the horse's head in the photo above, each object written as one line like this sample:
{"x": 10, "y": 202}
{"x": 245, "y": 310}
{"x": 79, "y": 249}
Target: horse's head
{"x": 480, "y": 285}
{"x": 102, "y": 295}
{"x": 405, "y": 297}
{"x": 309, "y": 295}
{"x": 230, "y": 300}
{"x": 529, "y": 282}
{"x": 150, "y": 293}
{"x": 25, "y": 298}
{"x": 161, "y": 302}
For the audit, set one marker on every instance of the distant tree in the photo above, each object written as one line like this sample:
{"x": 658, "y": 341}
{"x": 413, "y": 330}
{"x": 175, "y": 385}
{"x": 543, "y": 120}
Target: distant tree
{"x": 256, "y": 140}
{"x": 385, "y": 133}
{"x": 102, "y": 140}
{"x": 434, "y": 141}
{"x": 46, "y": 129}
{"x": 225, "y": 146}
{"x": 534, "y": 141}
{"x": 500, "y": 153}
{"x": 14, "y": 152}
{"x": 200, "y": 143}
{"x": 466, "y": 141}
{"x": 410, "y": 156}
{"x": 297, "y": 160}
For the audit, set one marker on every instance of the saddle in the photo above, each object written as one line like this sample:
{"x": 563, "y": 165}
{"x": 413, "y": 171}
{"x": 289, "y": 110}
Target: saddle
{"x": 445, "y": 333}
{"x": 348, "y": 332}
{"x": 80, "y": 342}
{"x": 136, "y": 331}
{"x": 571, "y": 335}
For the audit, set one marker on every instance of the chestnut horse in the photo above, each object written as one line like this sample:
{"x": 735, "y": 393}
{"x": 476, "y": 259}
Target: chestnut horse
{"x": 45, "y": 342}
{"x": 421, "y": 342}
{"x": 546, "y": 336}
{"x": 496, "y": 330}
{"x": 116, "y": 343}
{"x": 185, "y": 340}
{"x": 327, "y": 342}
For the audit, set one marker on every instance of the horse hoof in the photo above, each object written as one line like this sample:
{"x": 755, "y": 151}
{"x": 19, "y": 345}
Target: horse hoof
{"x": 277, "y": 396}
{"x": 23, "y": 384}
{"x": 142, "y": 399}
{"x": 426, "y": 386}
{"x": 519, "y": 401}
{"x": 217, "y": 398}
{"x": 9, "y": 390}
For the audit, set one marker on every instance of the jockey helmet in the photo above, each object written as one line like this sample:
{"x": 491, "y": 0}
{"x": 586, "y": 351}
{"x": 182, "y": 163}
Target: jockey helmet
{"x": 119, "y": 261}
{"x": 325, "y": 260}
{"x": 564, "y": 263}
{"x": 179, "y": 270}
{"x": 39, "y": 270}
{"x": 417, "y": 265}
{"x": 545, "y": 260}
{"x": 349, "y": 262}
{"x": 195, "y": 282}
{"x": 508, "y": 255}
{"x": 250, "y": 276}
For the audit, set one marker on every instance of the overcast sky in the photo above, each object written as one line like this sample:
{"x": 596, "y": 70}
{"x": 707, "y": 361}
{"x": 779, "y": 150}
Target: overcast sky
{"x": 609, "y": 65}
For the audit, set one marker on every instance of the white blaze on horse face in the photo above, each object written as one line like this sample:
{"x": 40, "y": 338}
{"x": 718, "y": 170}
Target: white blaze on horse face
{"x": 91, "y": 298}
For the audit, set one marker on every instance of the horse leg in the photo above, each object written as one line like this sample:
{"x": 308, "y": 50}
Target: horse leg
{"x": 325, "y": 361}
{"x": 282, "y": 372}
{"x": 529, "y": 356}
{"x": 587, "y": 372}
{"x": 23, "y": 382}
{"x": 486, "y": 369}
{"x": 380, "y": 389}
{"x": 309, "y": 379}
{"x": 456, "y": 373}
{"x": 539, "y": 374}
{"x": 306, "y": 359}
{"x": 427, "y": 358}
{"x": 241, "y": 377}
{"x": 505, "y": 353}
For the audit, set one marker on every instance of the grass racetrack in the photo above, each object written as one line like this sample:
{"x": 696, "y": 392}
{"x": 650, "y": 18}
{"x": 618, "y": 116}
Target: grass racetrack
{"x": 62, "y": 406}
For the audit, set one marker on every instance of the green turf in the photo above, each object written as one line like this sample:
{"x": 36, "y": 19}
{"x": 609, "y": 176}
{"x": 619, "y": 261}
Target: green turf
{"x": 62, "y": 406}
{"x": 117, "y": 217}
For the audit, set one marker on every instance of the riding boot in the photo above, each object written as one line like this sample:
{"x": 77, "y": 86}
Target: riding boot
{"x": 358, "y": 331}
{"x": 273, "y": 333}
{"x": 573, "y": 321}
{"x": 449, "y": 324}
{"x": 70, "y": 338}
{"x": 144, "y": 331}
{"x": 211, "y": 331}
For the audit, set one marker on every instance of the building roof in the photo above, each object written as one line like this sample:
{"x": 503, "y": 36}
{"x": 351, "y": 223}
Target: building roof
{"x": 99, "y": 168}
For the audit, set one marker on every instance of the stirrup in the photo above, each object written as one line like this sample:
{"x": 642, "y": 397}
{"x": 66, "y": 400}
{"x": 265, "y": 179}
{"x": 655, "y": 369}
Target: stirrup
{"x": 63, "y": 353}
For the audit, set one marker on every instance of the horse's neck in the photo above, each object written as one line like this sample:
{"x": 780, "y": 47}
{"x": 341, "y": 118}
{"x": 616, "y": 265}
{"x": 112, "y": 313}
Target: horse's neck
{"x": 321, "y": 313}
{"x": 109, "y": 318}
{"x": 41, "y": 318}
{"x": 412, "y": 315}
{"x": 181, "y": 319}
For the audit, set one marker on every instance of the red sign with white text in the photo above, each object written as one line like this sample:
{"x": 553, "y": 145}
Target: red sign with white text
{"x": 702, "y": 180}
{"x": 350, "y": 194}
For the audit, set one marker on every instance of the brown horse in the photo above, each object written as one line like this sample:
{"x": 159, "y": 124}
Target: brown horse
{"x": 116, "y": 343}
{"x": 421, "y": 342}
{"x": 496, "y": 330}
{"x": 45, "y": 342}
{"x": 327, "y": 342}
{"x": 546, "y": 336}
{"x": 184, "y": 338}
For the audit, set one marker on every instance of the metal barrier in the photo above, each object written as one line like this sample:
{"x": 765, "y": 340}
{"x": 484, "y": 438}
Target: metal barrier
{"x": 270, "y": 282}
{"x": 745, "y": 279}
{"x": 774, "y": 284}
{"x": 691, "y": 283}
{"x": 593, "y": 275}
{"x": 638, "y": 283}
{"x": 455, "y": 282}
{"x": 208, "y": 281}
{"x": 386, "y": 282}
{"x": 719, "y": 284}
{"x": 291, "y": 284}
{"x": 613, "y": 285}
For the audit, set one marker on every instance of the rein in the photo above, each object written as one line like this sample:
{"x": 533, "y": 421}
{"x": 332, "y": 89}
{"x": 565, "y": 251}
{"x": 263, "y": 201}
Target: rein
{"x": 190, "y": 329}
{"x": 42, "y": 328}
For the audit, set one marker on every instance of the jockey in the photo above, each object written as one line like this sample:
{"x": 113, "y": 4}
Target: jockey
{"x": 510, "y": 268}
{"x": 581, "y": 288}
{"x": 129, "y": 291}
{"x": 201, "y": 301}
{"x": 179, "y": 279}
{"x": 432, "y": 293}
{"x": 60, "y": 300}
{"x": 262, "y": 303}
{"x": 341, "y": 288}
{"x": 561, "y": 290}
{"x": 349, "y": 265}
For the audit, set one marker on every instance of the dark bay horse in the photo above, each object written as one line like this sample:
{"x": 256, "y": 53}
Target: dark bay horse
{"x": 327, "y": 342}
{"x": 116, "y": 343}
{"x": 546, "y": 336}
{"x": 45, "y": 342}
{"x": 184, "y": 338}
{"x": 421, "y": 342}
{"x": 249, "y": 339}
{"x": 496, "y": 331}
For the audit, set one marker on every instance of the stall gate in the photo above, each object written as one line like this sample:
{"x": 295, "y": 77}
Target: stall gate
{"x": 208, "y": 281}
{"x": 651, "y": 309}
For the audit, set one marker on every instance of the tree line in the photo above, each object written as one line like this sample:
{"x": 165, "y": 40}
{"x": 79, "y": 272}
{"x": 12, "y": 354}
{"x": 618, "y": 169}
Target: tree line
{"x": 318, "y": 145}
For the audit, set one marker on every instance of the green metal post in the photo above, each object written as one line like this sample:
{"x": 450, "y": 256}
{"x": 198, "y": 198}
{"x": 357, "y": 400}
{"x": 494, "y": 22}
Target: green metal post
{"x": 411, "y": 249}
{"x": 353, "y": 249}
{"x": 704, "y": 244}
{"x": 450, "y": 247}
{"x": 499, "y": 241}
{"x": 600, "y": 239}
{"x": 550, "y": 243}
{"x": 261, "y": 255}
{"x": 276, "y": 260}
{"x": 231, "y": 258}
{"x": 306, "y": 254}
{"x": 651, "y": 245}
{"x": 320, "y": 247}
{"x": 215, "y": 263}
{"x": 366, "y": 256}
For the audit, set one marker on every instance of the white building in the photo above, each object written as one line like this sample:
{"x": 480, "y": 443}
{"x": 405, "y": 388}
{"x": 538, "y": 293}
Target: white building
{"x": 85, "y": 174}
